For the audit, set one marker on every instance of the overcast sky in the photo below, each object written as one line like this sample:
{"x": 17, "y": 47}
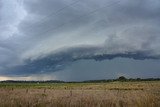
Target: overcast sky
{"x": 79, "y": 39}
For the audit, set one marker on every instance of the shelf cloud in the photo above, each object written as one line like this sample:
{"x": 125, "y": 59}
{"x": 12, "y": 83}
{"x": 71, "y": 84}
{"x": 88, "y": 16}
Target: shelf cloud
{"x": 39, "y": 36}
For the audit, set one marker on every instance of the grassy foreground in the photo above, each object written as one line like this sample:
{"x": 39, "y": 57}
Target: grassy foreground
{"x": 111, "y": 94}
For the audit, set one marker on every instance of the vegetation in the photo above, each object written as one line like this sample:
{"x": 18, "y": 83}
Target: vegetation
{"x": 121, "y": 78}
{"x": 88, "y": 94}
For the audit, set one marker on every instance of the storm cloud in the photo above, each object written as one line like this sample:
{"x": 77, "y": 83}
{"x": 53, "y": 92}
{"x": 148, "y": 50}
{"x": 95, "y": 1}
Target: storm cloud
{"x": 39, "y": 36}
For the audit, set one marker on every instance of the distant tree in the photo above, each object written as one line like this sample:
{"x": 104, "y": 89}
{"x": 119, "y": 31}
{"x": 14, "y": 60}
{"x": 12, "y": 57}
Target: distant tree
{"x": 122, "y": 78}
{"x": 138, "y": 79}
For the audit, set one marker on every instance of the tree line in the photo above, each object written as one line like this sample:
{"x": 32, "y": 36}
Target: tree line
{"x": 121, "y": 79}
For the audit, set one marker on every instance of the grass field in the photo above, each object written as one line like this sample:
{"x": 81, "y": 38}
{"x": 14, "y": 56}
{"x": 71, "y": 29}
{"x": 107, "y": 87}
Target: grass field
{"x": 111, "y": 94}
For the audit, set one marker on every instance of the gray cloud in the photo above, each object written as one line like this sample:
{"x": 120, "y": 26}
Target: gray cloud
{"x": 108, "y": 69}
{"x": 46, "y": 36}
{"x": 59, "y": 60}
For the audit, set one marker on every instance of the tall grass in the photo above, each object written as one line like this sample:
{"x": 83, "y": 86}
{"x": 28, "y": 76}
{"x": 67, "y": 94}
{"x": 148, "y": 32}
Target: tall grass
{"x": 116, "y": 94}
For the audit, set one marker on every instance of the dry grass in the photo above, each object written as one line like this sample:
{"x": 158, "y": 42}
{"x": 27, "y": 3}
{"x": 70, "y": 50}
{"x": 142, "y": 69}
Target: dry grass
{"x": 114, "y": 94}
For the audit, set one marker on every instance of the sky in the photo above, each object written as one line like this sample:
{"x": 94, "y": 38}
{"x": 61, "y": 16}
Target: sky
{"x": 76, "y": 40}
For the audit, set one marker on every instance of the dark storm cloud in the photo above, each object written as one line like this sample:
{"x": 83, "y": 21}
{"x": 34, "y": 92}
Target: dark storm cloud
{"x": 58, "y": 61}
{"x": 57, "y": 14}
{"x": 107, "y": 69}
{"x": 44, "y": 36}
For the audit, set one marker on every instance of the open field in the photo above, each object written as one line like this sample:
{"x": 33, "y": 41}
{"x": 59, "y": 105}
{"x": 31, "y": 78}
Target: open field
{"x": 111, "y": 94}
